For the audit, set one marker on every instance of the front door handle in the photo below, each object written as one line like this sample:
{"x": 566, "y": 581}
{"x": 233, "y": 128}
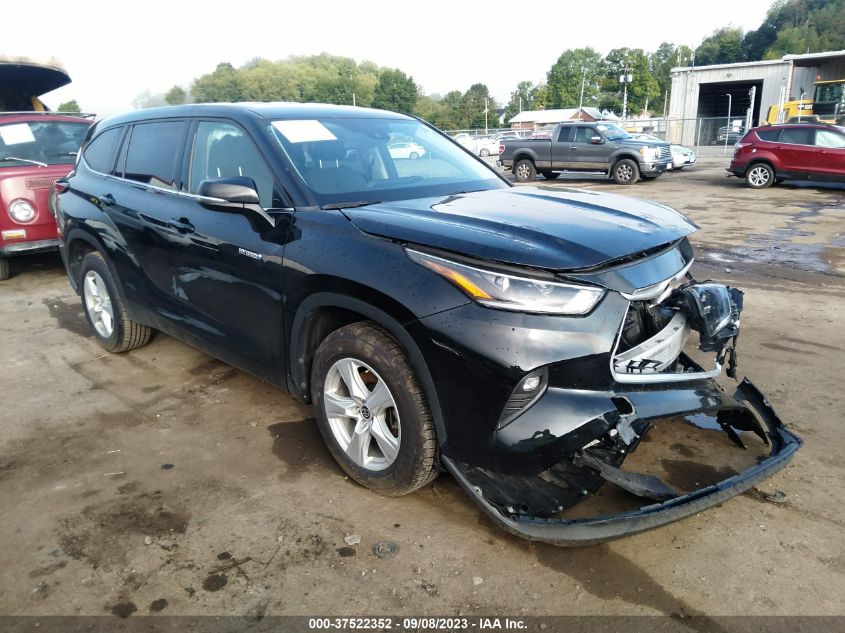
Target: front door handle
{"x": 183, "y": 225}
{"x": 573, "y": 147}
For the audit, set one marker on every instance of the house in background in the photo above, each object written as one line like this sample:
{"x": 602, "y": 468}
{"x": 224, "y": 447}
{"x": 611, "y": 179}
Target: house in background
{"x": 534, "y": 119}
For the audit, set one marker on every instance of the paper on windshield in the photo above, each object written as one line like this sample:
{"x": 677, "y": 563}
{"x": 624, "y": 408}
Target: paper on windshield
{"x": 16, "y": 134}
{"x": 303, "y": 131}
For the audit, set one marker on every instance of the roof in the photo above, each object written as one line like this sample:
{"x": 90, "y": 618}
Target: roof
{"x": 765, "y": 62}
{"x": 808, "y": 58}
{"x": 798, "y": 60}
{"x": 275, "y": 110}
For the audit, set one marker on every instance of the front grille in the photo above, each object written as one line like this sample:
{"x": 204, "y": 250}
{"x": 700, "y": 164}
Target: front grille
{"x": 39, "y": 183}
{"x": 665, "y": 152}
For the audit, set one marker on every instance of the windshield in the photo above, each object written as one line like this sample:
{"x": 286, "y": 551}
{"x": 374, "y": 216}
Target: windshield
{"x": 41, "y": 142}
{"x": 612, "y": 132}
{"x": 358, "y": 160}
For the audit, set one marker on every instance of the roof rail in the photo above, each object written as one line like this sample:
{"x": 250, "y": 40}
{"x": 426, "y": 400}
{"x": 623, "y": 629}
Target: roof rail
{"x": 82, "y": 115}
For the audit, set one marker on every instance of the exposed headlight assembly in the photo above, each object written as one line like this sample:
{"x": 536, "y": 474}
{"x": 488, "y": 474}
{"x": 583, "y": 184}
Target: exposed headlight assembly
{"x": 21, "y": 211}
{"x": 511, "y": 292}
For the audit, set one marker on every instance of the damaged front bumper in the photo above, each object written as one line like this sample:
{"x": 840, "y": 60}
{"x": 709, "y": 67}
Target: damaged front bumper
{"x": 522, "y": 505}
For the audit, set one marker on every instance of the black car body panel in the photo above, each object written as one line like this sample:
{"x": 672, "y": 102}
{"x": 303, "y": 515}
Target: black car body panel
{"x": 261, "y": 287}
{"x": 565, "y": 230}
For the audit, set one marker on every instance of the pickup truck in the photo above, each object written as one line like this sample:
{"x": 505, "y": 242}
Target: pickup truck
{"x": 581, "y": 146}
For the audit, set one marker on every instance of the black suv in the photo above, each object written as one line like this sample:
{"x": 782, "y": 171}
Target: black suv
{"x": 435, "y": 316}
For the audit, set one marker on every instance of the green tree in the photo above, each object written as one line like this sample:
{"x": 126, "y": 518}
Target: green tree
{"x": 724, "y": 46}
{"x": 224, "y": 84}
{"x": 395, "y": 91}
{"x": 70, "y": 106}
{"x": 564, "y": 79}
{"x": 643, "y": 88}
{"x": 662, "y": 61}
{"x": 527, "y": 96}
{"x": 473, "y": 105}
{"x": 176, "y": 95}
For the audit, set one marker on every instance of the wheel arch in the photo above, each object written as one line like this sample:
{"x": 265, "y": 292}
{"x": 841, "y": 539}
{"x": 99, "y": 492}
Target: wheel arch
{"x": 623, "y": 156}
{"x": 78, "y": 243}
{"x": 322, "y": 313}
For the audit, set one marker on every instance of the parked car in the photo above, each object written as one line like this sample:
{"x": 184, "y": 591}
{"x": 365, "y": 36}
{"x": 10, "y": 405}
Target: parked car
{"x": 412, "y": 151}
{"x": 731, "y": 135}
{"x": 436, "y": 316}
{"x": 586, "y": 147}
{"x": 478, "y": 145}
{"x": 804, "y": 151}
{"x": 36, "y": 148}
{"x": 681, "y": 156}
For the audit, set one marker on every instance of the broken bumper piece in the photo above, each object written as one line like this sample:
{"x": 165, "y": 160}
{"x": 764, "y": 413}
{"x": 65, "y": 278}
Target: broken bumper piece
{"x": 524, "y": 505}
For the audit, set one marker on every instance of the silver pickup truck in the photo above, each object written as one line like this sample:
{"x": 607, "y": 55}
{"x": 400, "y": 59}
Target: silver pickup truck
{"x": 581, "y": 146}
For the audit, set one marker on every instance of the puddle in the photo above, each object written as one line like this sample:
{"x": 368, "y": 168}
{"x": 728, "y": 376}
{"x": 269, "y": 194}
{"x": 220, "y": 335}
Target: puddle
{"x": 68, "y": 316}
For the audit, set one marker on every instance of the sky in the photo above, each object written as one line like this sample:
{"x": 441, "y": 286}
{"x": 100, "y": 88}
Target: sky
{"x": 114, "y": 51}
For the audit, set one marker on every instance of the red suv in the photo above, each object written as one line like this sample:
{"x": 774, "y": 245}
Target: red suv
{"x": 36, "y": 148}
{"x": 804, "y": 151}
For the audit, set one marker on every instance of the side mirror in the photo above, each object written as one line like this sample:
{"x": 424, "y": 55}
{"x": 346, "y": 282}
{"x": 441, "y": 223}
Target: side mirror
{"x": 234, "y": 194}
{"x": 596, "y": 140}
{"x": 236, "y": 190}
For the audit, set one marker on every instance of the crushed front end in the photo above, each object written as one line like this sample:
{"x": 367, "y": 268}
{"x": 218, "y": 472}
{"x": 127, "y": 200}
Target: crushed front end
{"x": 632, "y": 374}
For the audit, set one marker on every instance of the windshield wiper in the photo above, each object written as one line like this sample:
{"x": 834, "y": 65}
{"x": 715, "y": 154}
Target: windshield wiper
{"x": 25, "y": 160}
{"x": 349, "y": 205}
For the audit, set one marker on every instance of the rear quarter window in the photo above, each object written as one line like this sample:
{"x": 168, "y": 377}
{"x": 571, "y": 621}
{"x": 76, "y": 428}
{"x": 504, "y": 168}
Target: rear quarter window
{"x": 770, "y": 135}
{"x": 99, "y": 155}
{"x": 155, "y": 153}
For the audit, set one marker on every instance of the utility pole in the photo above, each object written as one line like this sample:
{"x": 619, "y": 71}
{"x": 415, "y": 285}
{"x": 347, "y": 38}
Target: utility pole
{"x": 728, "y": 126}
{"x": 353, "y": 99}
{"x": 625, "y": 78}
{"x": 486, "y": 110}
{"x": 520, "y": 104}
{"x": 583, "y": 81}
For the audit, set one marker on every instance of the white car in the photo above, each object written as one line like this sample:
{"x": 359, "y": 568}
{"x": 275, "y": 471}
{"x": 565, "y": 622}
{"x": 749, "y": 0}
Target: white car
{"x": 478, "y": 145}
{"x": 406, "y": 150}
{"x": 681, "y": 156}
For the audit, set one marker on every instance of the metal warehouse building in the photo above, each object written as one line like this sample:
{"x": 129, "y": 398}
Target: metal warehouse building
{"x": 702, "y": 92}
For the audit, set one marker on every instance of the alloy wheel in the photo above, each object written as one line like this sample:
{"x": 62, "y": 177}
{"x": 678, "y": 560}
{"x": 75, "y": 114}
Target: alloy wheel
{"x": 362, "y": 414}
{"x": 98, "y": 304}
{"x": 758, "y": 176}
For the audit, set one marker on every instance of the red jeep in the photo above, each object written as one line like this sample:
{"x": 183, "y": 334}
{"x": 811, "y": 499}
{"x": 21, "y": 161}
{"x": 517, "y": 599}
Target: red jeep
{"x": 36, "y": 148}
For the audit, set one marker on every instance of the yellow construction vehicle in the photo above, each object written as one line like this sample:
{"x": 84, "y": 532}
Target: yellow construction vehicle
{"x": 827, "y": 105}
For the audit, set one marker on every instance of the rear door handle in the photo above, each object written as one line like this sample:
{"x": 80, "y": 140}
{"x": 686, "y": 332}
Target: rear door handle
{"x": 183, "y": 225}
{"x": 107, "y": 199}
{"x": 573, "y": 147}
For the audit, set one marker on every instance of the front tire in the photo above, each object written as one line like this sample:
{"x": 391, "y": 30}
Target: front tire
{"x": 371, "y": 410}
{"x": 760, "y": 176}
{"x": 524, "y": 170}
{"x": 626, "y": 172}
{"x": 413, "y": 156}
{"x": 104, "y": 308}
{"x": 484, "y": 153}
{"x": 5, "y": 270}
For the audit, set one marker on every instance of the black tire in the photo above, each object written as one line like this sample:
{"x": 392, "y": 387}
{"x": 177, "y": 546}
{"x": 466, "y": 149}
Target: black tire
{"x": 5, "y": 270}
{"x": 414, "y": 464}
{"x": 524, "y": 170}
{"x": 625, "y": 172}
{"x": 413, "y": 156}
{"x": 678, "y": 168}
{"x": 484, "y": 153}
{"x": 759, "y": 175}
{"x": 125, "y": 334}
{"x": 551, "y": 175}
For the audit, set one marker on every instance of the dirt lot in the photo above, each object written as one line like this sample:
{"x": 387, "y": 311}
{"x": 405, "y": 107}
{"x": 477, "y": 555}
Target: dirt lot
{"x": 136, "y": 483}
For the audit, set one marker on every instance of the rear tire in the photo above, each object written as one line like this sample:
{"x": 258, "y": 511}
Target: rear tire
{"x": 5, "y": 270}
{"x": 626, "y": 172}
{"x": 484, "y": 153}
{"x": 524, "y": 170}
{"x": 371, "y": 410}
{"x": 104, "y": 308}
{"x": 413, "y": 156}
{"x": 760, "y": 176}
{"x": 551, "y": 175}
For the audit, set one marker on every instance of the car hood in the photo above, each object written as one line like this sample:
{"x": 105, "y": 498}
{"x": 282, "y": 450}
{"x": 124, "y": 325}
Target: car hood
{"x": 555, "y": 230}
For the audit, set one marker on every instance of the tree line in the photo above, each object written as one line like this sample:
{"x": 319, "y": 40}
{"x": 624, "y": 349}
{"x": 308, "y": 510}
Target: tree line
{"x": 578, "y": 76}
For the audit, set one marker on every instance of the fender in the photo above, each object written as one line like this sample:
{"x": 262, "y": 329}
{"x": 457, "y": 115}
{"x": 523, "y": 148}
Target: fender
{"x": 298, "y": 376}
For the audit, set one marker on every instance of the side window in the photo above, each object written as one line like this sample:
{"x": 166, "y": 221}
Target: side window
{"x": 797, "y": 136}
{"x": 154, "y": 153}
{"x": 223, "y": 150}
{"x": 584, "y": 134}
{"x": 770, "y": 135}
{"x": 826, "y": 138}
{"x": 100, "y": 152}
{"x": 565, "y": 134}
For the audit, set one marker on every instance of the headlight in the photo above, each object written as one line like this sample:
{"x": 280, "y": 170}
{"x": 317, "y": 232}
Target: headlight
{"x": 510, "y": 292}
{"x": 649, "y": 153}
{"x": 21, "y": 211}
